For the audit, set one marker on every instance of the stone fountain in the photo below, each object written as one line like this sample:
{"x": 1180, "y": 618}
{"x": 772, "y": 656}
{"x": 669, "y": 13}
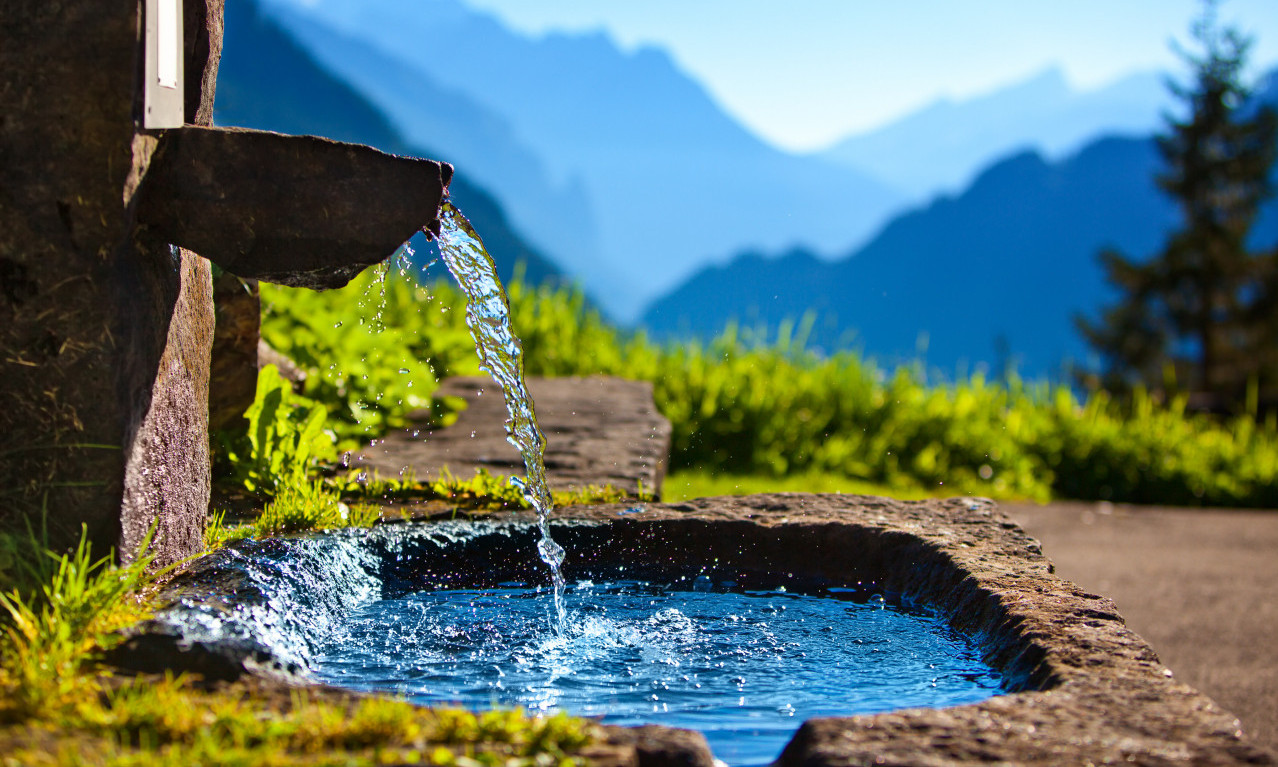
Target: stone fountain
{"x": 119, "y": 199}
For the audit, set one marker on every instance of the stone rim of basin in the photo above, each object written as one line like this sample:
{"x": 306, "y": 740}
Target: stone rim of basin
{"x": 1082, "y": 686}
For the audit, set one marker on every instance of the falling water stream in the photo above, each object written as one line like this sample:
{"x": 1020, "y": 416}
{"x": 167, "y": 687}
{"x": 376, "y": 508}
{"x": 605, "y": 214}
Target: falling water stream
{"x": 501, "y": 356}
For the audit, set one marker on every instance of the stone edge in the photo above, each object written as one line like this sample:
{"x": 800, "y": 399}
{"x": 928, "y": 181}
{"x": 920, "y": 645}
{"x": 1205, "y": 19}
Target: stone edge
{"x": 1083, "y": 688}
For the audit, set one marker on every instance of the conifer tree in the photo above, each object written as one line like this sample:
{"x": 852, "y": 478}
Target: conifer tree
{"x": 1204, "y": 312}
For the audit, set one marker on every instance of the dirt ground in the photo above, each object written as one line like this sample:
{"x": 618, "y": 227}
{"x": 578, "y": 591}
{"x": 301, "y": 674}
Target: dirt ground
{"x": 1201, "y": 586}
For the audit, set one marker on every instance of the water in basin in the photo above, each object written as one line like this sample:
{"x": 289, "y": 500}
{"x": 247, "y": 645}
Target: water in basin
{"x": 743, "y": 667}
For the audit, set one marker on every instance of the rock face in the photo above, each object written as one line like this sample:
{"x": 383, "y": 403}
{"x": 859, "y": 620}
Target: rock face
{"x": 1081, "y": 687}
{"x": 599, "y": 431}
{"x": 233, "y": 378}
{"x": 106, "y": 314}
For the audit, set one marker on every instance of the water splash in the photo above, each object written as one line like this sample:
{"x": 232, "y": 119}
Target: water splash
{"x": 501, "y": 356}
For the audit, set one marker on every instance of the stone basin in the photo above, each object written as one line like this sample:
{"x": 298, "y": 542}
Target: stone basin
{"x": 1082, "y": 688}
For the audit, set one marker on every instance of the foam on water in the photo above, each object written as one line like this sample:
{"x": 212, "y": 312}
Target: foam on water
{"x": 295, "y": 594}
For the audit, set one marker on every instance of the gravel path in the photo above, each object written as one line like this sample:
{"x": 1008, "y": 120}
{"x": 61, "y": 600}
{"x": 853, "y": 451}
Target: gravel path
{"x": 1201, "y": 586}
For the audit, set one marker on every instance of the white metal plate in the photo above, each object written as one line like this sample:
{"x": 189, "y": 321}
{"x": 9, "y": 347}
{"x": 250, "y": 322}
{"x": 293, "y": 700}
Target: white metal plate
{"x": 163, "y": 98}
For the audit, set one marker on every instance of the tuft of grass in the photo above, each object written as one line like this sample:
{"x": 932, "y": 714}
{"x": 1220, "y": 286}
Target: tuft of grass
{"x": 59, "y": 709}
{"x": 53, "y": 630}
{"x": 218, "y": 532}
{"x": 484, "y": 491}
{"x": 166, "y": 721}
{"x": 297, "y": 507}
{"x": 692, "y": 483}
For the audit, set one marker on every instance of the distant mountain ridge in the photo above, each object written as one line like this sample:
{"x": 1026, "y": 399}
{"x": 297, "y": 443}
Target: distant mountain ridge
{"x": 267, "y": 81}
{"x": 941, "y": 148}
{"x": 671, "y": 181}
{"x": 991, "y": 276}
{"x": 460, "y": 130}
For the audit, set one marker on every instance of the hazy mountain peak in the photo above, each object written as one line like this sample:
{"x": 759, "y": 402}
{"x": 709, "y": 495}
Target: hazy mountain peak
{"x": 940, "y": 148}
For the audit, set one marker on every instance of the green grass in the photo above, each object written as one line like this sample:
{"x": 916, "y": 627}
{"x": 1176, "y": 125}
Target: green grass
{"x": 483, "y": 491}
{"x": 743, "y": 406}
{"x": 58, "y": 707}
{"x": 167, "y": 721}
{"x": 693, "y": 483}
{"x": 59, "y": 612}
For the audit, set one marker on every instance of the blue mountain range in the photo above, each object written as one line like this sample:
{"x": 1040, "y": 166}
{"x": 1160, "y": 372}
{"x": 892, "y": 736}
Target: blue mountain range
{"x": 668, "y": 181}
{"x": 942, "y": 147}
{"x": 616, "y": 169}
{"x": 267, "y": 81}
{"x": 988, "y": 278}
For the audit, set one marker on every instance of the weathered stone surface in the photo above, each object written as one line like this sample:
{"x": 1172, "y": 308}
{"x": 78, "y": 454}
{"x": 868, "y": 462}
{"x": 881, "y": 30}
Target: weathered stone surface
{"x": 1200, "y": 585}
{"x": 599, "y": 431}
{"x": 296, "y": 210}
{"x": 166, "y": 472}
{"x": 103, "y": 375}
{"x": 233, "y": 378}
{"x": 1085, "y": 688}
{"x": 158, "y": 648}
{"x": 202, "y": 32}
{"x": 1082, "y": 688}
{"x": 71, "y": 276}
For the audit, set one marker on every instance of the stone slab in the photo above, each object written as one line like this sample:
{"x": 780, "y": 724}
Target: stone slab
{"x": 106, "y": 313}
{"x": 103, "y": 335}
{"x": 295, "y": 210}
{"x": 1086, "y": 689}
{"x": 599, "y": 431}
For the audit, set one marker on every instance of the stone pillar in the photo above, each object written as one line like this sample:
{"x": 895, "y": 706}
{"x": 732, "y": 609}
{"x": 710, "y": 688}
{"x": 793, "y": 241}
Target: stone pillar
{"x": 103, "y": 336}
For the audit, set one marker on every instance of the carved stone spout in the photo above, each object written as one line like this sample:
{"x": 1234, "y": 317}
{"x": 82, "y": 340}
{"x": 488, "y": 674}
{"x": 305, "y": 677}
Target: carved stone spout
{"x": 293, "y": 210}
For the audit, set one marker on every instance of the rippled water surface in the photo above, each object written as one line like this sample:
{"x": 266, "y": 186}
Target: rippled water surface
{"x": 744, "y": 668}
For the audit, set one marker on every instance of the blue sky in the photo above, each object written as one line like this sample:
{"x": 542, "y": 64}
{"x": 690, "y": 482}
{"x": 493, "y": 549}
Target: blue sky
{"x": 805, "y": 73}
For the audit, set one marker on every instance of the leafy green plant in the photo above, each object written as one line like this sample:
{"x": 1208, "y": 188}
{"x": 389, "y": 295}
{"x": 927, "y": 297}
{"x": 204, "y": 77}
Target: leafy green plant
{"x": 371, "y": 350}
{"x": 286, "y": 437}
